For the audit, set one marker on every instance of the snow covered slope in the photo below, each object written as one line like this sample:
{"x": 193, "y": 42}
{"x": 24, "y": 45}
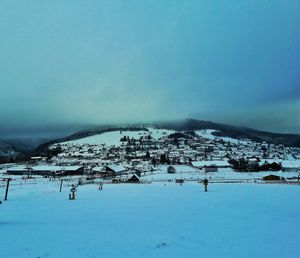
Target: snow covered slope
{"x": 113, "y": 138}
{"x": 208, "y": 134}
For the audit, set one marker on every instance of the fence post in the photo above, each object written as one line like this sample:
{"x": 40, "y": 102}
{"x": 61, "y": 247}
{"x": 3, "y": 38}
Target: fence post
{"x": 61, "y": 183}
{"x": 7, "y": 187}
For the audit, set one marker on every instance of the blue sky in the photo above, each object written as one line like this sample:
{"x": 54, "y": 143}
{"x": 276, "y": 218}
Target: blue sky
{"x": 67, "y": 64}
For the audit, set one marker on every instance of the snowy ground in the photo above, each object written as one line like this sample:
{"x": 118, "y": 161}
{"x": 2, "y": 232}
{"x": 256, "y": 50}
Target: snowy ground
{"x": 113, "y": 138}
{"x": 189, "y": 173}
{"x": 208, "y": 134}
{"x": 151, "y": 220}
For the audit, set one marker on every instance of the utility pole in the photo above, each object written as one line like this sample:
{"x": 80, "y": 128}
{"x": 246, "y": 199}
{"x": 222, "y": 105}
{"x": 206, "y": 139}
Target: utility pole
{"x": 205, "y": 182}
{"x": 7, "y": 187}
{"x": 61, "y": 184}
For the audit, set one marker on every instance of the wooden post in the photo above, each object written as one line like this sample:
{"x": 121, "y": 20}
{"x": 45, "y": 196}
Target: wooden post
{"x": 72, "y": 194}
{"x": 7, "y": 186}
{"x": 61, "y": 183}
{"x": 100, "y": 186}
{"x": 205, "y": 182}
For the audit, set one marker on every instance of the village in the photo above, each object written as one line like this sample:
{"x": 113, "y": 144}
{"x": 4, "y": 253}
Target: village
{"x": 152, "y": 154}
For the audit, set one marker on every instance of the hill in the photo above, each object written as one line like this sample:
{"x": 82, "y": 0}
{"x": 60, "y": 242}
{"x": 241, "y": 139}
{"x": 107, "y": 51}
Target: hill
{"x": 292, "y": 140}
{"x": 17, "y": 148}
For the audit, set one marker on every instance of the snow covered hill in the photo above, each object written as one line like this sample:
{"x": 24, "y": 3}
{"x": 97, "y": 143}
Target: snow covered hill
{"x": 229, "y": 133}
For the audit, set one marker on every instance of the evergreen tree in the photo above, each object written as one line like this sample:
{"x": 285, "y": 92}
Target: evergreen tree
{"x": 147, "y": 155}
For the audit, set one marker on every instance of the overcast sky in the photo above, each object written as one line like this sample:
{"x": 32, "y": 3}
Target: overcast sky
{"x": 67, "y": 64}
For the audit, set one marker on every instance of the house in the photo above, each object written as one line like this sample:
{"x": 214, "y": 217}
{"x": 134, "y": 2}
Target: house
{"x": 50, "y": 170}
{"x": 291, "y": 165}
{"x": 270, "y": 161}
{"x": 272, "y": 178}
{"x": 133, "y": 179}
{"x": 100, "y": 171}
{"x": 20, "y": 170}
{"x": 110, "y": 170}
{"x": 115, "y": 169}
{"x": 70, "y": 170}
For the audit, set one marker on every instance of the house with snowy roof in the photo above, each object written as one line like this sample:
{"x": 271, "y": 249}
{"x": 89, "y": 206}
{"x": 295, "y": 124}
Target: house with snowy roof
{"x": 57, "y": 170}
{"x": 291, "y": 165}
{"x": 110, "y": 170}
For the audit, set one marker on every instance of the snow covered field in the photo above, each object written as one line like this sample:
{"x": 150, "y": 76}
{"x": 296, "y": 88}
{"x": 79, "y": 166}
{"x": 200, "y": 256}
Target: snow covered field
{"x": 151, "y": 220}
